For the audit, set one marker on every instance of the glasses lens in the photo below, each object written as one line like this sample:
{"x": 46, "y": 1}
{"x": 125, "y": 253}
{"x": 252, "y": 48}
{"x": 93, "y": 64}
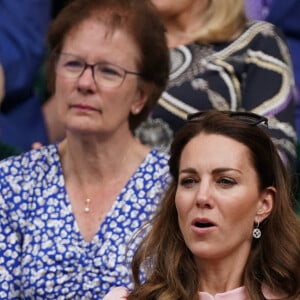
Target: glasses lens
{"x": 247, "y": 117}
{"x": 69, "y": 66}
{"x": 104, "y": 74}
{"x": 109, "y": 75}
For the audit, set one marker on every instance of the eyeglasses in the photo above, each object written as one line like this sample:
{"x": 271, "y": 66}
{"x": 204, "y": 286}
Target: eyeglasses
{"x": 247, "y": 117}
{"x": 104, "y": 74}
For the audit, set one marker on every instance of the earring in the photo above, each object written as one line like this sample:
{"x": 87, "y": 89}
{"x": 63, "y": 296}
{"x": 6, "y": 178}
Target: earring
{"x": 135, "y": 111}
{"x": 256, "y": 232}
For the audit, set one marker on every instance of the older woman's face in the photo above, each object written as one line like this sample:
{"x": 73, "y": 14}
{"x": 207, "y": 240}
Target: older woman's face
{"x": 86, "y": 105}
{"x": 217, "y": 198}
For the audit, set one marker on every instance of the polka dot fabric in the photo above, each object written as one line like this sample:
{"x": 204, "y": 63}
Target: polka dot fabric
{"x": 42, "y": 253}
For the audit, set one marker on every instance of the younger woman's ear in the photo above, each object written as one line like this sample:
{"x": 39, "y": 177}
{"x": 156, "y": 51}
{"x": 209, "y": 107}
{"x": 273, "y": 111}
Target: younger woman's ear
{"x": 265, "y": 204}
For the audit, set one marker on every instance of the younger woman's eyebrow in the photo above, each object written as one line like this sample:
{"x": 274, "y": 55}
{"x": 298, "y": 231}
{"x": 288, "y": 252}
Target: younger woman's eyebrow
{"x": 226, "y": 169}
{"x": 188, "y": 170}
{"x": 215, "y": 171}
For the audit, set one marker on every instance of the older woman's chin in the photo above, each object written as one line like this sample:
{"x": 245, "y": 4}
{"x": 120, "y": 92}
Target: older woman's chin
{"x": 118, "y": 293}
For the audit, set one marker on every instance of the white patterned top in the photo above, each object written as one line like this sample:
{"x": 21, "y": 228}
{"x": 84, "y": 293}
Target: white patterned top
{"x": 42, "y": 253}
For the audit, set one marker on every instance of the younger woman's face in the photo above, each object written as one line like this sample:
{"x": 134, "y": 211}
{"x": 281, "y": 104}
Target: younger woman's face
{"x": 218, "y": 198}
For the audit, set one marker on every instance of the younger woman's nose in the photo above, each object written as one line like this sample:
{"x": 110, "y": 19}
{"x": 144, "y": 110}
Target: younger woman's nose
{"x": 203, "y": 196}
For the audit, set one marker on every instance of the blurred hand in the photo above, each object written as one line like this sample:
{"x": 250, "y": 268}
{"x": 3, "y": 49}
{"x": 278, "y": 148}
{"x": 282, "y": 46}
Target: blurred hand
{"x": 36, "y": 145}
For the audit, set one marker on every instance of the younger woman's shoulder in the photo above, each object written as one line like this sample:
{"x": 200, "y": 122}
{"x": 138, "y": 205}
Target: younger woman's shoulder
{"x": 270, "y": 294}
{"x": 117, "y": 293}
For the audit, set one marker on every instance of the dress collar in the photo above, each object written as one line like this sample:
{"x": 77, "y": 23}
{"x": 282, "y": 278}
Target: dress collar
{"x": 235, "y": 294}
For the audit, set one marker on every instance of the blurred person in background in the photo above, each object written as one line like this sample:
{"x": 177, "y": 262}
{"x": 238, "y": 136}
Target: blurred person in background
{"x": 221, "y": 60}
{"x": 285, "y": 15}
{"x": 23, "y": 27}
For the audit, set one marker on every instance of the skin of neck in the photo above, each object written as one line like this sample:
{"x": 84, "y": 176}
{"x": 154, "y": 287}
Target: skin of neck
{"x": 95, "y": 158}
{"x": 225, "y": 274}
{"x": 180, "y": 27}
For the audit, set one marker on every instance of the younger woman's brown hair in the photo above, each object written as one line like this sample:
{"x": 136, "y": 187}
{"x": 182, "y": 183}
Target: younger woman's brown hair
{"x": 274, "y": 260}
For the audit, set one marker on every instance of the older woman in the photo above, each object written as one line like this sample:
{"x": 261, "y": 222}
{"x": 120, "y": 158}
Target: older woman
{"x": 222, "y": 61}
{"x": 68, "y": 210}
{"x": 226, "y": 228}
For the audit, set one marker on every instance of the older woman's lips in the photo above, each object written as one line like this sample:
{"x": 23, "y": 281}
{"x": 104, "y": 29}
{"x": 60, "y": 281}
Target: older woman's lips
{"x": 83, "y": 107}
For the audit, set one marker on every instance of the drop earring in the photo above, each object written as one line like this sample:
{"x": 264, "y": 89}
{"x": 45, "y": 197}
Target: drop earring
{"x": 256, "y": 232}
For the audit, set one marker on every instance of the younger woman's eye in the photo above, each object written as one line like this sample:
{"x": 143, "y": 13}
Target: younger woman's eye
{"x": 188, "y": 181}
{"x": 227, "y": 182}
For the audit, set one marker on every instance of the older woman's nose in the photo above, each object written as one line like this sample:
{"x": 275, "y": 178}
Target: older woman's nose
{"x": 87, "y": 80}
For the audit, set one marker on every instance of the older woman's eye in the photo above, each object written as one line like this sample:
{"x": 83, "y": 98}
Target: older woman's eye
{"x": 107, "y": 70}
{"x": 74, "y": 64}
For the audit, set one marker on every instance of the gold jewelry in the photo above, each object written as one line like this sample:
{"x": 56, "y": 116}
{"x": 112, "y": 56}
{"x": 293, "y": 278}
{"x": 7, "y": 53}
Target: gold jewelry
{"x": 87, "y": 201}
{"x": 87, "y": 205}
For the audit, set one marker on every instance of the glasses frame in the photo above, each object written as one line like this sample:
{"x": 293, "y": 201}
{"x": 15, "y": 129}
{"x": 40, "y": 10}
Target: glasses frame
{"x": 246, "y": 117}
{"x": 92, "y": 66}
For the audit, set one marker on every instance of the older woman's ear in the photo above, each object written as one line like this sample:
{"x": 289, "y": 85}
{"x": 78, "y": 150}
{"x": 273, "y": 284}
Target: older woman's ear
{"x": 2, "y": 91}
{"x": 265, "y": 204}
{"x": 141, "y": 97}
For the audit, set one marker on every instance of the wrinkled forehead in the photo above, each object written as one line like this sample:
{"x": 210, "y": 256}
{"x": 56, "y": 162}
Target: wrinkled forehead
{"x": 96, "y": 31}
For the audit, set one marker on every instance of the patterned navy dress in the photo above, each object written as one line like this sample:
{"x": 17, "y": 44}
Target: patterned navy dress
{"x": 42, "y": 253}
{"x": 252, "y": 73}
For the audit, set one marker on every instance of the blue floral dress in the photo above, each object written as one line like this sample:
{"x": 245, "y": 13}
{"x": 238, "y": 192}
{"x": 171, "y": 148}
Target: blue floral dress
{"x": 42, "y": 253}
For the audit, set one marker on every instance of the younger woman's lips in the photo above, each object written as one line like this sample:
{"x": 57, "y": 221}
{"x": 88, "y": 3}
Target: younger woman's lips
{"x": 202, "y": 230}
{"x": 202, "y": 225}
{"x": 203, "y": 222}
